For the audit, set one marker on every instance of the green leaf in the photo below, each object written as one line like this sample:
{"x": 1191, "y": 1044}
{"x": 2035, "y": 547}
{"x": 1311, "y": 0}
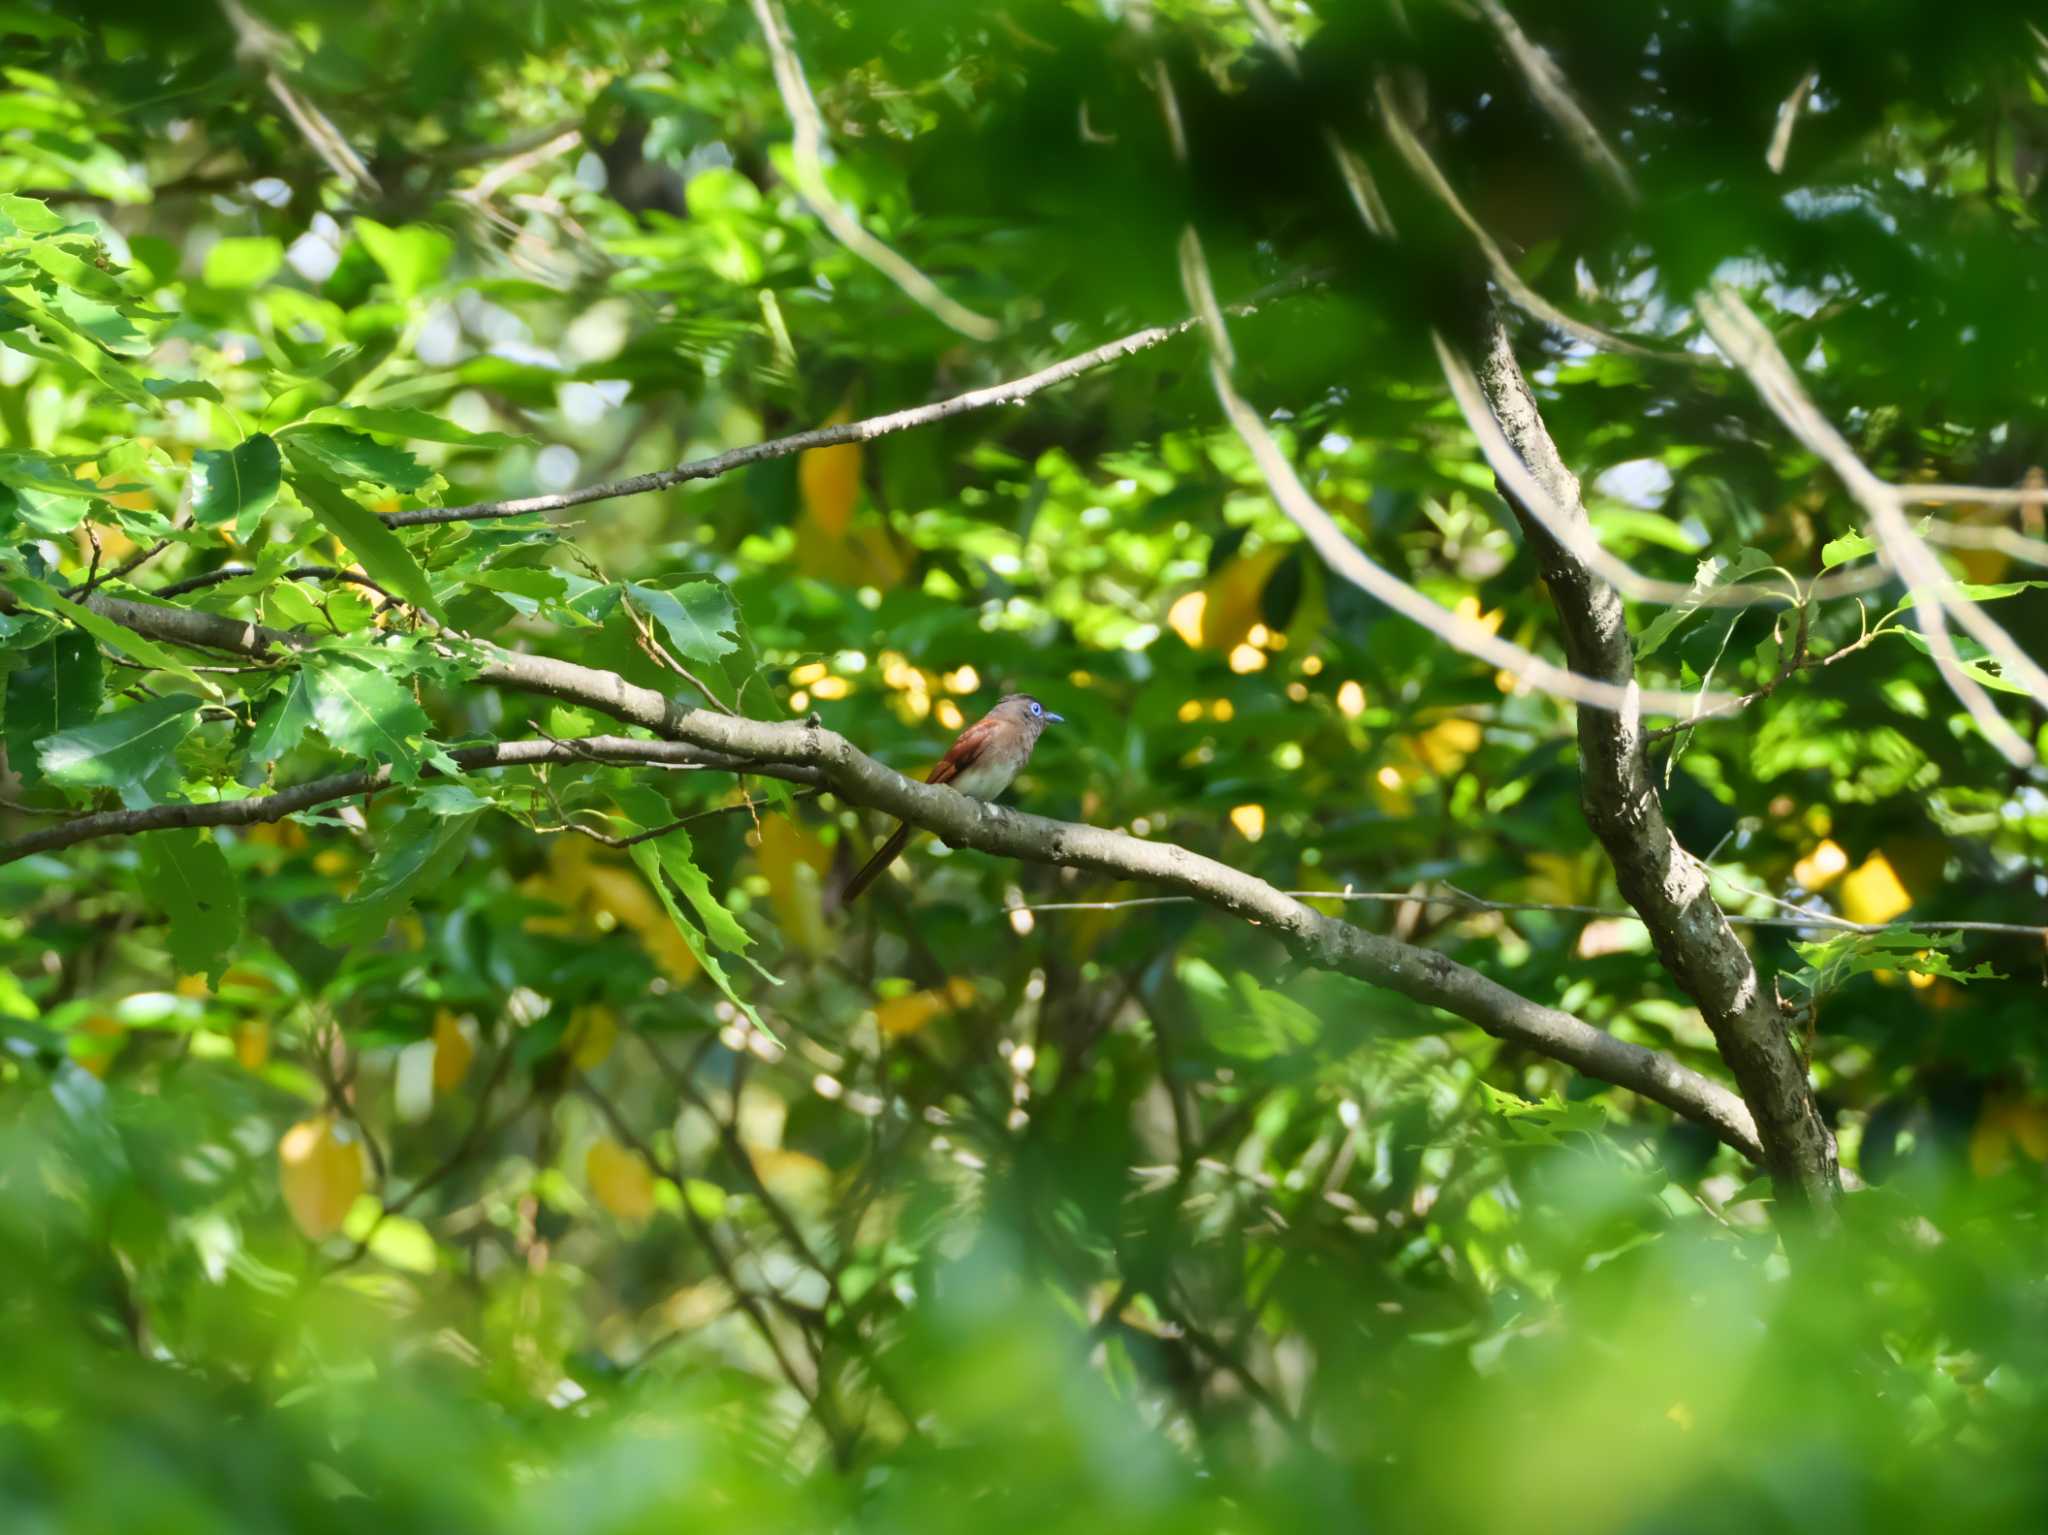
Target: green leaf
{"x": 351, "y": 458}
{"x": 1832, "y": 961}
{"x": 243, "y": 261}
{"x": 645, "y": 810}
{"x": 1711, "y": 574}
{"x": 1973, "y": 668}
{"x": 1850, "y": 546}
{"x": 366, "y": 712}
{"x": 182, "y": 389}
{"x": 67, "y": 344}
{"x": 284, "y": 720}
{"x": 419, "y": 425}
{"x": 1243, "y": 1018}
{"x": 650, "y": 863}
{"x": 28, "y": 214}
{"x": 239, "y": 483}
{"x": 39, "y": 596}
{"x": 697, "y": 616}
{"x": 121, "y": 749}
{"x": 186, "y": 877}
{"x": 412, "y": 257}
{"x": 57, "y": 688}
{"x": 380, "y": 550}
{"x": 415, "y": 855}
{"x": 1971, "y": 591}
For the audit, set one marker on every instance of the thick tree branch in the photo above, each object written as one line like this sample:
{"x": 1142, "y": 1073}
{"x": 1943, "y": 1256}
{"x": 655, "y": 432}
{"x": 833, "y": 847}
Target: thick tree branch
{"x": 760, "y": 746}
{"x": 1667, "y": 887}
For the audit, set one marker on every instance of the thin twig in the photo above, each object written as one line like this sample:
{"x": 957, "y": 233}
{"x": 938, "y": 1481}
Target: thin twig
{"x": 1452, "y": 896}
{"x": 1009, "y": 393}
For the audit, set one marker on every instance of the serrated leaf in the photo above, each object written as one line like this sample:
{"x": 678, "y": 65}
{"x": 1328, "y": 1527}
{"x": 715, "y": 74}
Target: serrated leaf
{"x": 382, "y": 553}
{"x": 57, "y": 688}
{"x": 284, "y": 720}
{"x": 120, "y": 749}
{"x": 649, "y": 862}
{"x": 187, "y": 878}
{"x": 648, "y": 810}
{"x": 36, "y": 595}
{"x": 697, "y": 615}
{"x": 352, "y": 458}
{"x": 366, "y": 712}
{"x": 418, "y": 425}
{"x": 240, "y": 483}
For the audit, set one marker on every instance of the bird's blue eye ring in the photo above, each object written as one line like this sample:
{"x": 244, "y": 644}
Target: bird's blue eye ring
{"x": 1036, "y": 707}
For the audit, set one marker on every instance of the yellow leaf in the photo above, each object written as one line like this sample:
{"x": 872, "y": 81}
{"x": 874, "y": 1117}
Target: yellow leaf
{"x": 1184, "y": 618}
{"x": 1872, "y": 892}
{"x": 252, "y": 1043}
{"x": 620, "y": 1180}
{"x": 193, "y": 987}
{"x": 593, "y": 1030}
{"x": 1821, "y": 867}
{"x": 1990, "y": 1146}
{"x": 794, "y": 862}
{"x": 791, "y": 1175}
{"x": 1233, "y": 605}
{"x": 453, "y": 1052}
{"x": 1444, "y": 746}
{"x": 601, "y": 895}
{"x": 828, "y": 479}
{"x": 868, "y": 555}
{"x": 321, "y": 1173}
{"x": 907, "y": 1014}
{"x": 96, "y": 1053}
{"x": 1250, "y": 821}
{"x": 2028, "y": 1121}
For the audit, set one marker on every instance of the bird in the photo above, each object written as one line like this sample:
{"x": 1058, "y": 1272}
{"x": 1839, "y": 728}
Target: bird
{"x": 981, "y": 763}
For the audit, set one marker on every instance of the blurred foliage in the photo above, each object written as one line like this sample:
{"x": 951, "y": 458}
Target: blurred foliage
{"x": 418, "y": 1159}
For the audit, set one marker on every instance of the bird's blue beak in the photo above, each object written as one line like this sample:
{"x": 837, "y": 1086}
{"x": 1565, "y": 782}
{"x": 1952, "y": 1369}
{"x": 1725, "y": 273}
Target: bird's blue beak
{"x": 1054, "y": 719}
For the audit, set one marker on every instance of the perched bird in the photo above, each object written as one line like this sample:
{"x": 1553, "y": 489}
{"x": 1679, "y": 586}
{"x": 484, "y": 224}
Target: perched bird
{"x": 980, "y": 764}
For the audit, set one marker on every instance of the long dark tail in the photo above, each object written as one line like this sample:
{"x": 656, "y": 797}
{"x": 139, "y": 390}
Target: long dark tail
{"x": 885, "y": 855}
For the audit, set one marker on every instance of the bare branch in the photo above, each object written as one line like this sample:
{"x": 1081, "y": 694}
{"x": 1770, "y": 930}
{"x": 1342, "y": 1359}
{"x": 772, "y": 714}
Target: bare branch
{"x": 1788, "y": 117}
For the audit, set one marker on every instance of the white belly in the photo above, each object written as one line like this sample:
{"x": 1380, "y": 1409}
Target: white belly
{"x": 989, "y": 777}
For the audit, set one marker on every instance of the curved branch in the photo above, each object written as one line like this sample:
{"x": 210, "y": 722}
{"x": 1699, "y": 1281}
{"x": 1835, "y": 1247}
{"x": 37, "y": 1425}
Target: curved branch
{"x": 1423, "y": 975}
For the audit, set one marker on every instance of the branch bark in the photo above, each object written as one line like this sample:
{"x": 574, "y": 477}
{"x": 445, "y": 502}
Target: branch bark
{"x": 1669, "y": 888}
{"x": 749, "y": 745}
